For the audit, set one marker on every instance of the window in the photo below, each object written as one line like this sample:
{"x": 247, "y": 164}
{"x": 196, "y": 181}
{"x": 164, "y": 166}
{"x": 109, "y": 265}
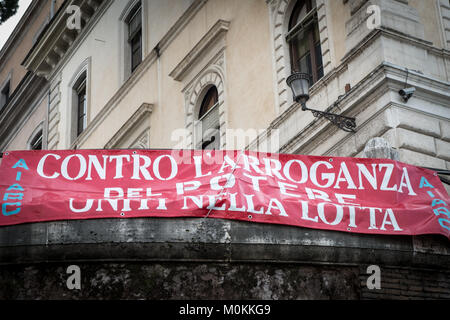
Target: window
{"x": 36, "y": 141}
{"x": 4, "y": 95}
{"x": 205, "y": 106}
{"x": 304, "y": 41}
{"x": 208, "y": 121}
{"x": 132, "y": 27}
{"x": 79, "y": 94}
{"x": 81, "y": 105}
{"x": 134, "y": 23}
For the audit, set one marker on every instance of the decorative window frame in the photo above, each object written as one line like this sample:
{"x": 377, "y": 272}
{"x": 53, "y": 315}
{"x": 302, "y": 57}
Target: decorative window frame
{"x": 212, "y": 76}
{"x": 124, "y": 47}
{"x": 39, "y": 128}
{"x": 143, "y": 141}
{"x": 72, "y": 112}
{"x": 138, "y": 122}
{"x": 280, "y": 12}
{"x": 202, "y": 67}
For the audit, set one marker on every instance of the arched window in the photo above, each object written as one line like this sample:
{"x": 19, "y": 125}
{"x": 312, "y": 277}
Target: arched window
{"x": 208, "y": 125}
{"x": 304, "y": 41}
{"x": 209, "y": 101}
{"x": 36, "y": 141}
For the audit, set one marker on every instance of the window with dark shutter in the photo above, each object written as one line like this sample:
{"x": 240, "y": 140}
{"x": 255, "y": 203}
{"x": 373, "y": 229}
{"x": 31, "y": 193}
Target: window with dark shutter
{"x": 36, "y": 142}
{"x": 208, "y": 125}
{"x": 81, "y": 106}
{"x": 135, "y": 36}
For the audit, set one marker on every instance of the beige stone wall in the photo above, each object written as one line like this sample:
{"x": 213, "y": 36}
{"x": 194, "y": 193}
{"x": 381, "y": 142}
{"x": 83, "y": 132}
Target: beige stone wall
{"x": 22, "y": 138}
{"x": 249, "y": 65}
{"x": 428, "y": 13}
{"x": 374, "y": 63}
{"x": 11, "y": 61}
{"x": 339, "y": 15}
{"x": 10, "y": 64}
{"x": 102, "y": 47}
{"x": 249, "y": 95}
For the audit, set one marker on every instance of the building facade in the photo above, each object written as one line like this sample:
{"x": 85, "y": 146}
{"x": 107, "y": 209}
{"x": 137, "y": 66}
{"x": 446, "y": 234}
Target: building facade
{"x": 24, "y": 98}
{"x": 211, "y": 74}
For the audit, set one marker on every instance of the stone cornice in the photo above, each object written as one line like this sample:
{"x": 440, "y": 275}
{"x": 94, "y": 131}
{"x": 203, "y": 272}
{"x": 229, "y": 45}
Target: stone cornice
{"x": 19, "y": 31}
{"x": 213, "y": 35}
{"x": 141, "y": 113}
{"x": 57, "y": 40}
{"x": 220, "y": 240}
{"x": 387, "y": 75}
{"x": 377, "y": 33}
{"x": 420, "y": 80}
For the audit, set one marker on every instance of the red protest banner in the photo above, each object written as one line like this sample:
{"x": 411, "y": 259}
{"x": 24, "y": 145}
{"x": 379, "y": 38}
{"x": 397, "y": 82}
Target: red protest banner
{"x": 346, "y": 194}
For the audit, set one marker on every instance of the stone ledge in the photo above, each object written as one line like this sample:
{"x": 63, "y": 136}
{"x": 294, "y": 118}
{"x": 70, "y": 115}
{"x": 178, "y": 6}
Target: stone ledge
{"x": 208, "y": 240}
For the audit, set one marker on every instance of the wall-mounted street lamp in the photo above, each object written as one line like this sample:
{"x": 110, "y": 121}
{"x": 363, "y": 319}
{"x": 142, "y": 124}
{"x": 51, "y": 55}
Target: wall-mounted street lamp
{"x": 299, "y": 83}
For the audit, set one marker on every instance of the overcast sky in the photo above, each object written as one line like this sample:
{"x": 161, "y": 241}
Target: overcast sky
{"x": 7, "y": 27}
